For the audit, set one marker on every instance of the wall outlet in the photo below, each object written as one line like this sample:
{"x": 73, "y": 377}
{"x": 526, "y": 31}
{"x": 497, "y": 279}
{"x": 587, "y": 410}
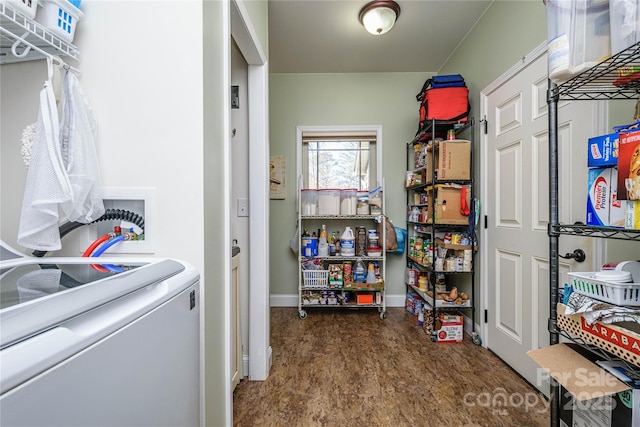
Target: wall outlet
{"x": 243, "y": 207}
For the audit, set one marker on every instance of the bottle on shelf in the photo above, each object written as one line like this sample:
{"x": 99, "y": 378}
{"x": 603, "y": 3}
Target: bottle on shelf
{"x": 331, "y": 241}
{"x": 347, "y": 243}
{"x": 323, "y": 245}
{"x": 371, "y": 274}
{"x": 359, "y": 272}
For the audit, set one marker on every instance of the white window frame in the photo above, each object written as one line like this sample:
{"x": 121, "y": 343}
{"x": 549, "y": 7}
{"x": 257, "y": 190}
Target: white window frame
{"x": 346, "y": 130}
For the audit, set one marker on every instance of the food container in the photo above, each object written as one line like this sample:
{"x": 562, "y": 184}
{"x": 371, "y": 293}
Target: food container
{"x": 309, "y": 202}
{"x": 329, "y": 201}
{"x": 374, "y": 252}
{"x": 578, "y": 34}
{"x": 362, "y": 205}
{"x": 624, "y": 16}
{"x": 348, "y": 201}
{"x": 375, "y": 201}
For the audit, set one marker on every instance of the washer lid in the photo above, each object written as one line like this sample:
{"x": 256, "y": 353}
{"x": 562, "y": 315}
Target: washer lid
{"x": 42, "y": 293}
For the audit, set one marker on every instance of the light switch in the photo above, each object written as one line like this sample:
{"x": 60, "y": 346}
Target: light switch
{"x": 243, "y": 207}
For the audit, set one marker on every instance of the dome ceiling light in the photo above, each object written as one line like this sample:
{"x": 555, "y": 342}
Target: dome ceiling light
{"x": 379, "y": 16}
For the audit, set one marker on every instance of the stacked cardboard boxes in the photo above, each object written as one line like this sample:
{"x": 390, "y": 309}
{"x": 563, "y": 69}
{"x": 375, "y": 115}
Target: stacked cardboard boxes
{"x": 611, "y": 199}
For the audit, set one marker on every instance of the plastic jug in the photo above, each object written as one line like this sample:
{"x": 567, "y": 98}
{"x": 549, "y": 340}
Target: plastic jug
{"x": 359, "y": 271}
{"x": 347, "y": 243}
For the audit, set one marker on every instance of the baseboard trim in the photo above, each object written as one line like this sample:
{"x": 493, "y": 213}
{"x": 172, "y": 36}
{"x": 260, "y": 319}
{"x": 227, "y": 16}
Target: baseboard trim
{"x": 291, "y": 300}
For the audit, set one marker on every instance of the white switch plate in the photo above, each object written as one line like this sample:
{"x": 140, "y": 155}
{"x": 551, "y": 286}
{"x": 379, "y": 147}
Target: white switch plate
{"x": 243, "y": 206}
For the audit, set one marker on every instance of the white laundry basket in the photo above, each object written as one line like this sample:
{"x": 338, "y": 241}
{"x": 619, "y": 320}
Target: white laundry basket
{"x": 61, "y": 17}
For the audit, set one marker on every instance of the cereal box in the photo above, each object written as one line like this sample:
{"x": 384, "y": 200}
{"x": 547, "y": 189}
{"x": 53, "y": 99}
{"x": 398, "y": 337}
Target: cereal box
{"x": 629, "y": 166}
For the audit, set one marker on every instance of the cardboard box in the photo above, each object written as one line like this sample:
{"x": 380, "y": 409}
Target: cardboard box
{"x": 617, "y": 207}
{"x": 598, "y": 196}
{"x": 590, "y": 396}
{"x": 629, "y": 166}
{"x": 632, "y": 215}
{"x": 411, "y": 276}
{"x": 364, "y": 298}
{"x": 452, "y": 159}
{"x": 603, "y": 151}
{"x": 450, "y": 328}
{"x": 448, "y": 204}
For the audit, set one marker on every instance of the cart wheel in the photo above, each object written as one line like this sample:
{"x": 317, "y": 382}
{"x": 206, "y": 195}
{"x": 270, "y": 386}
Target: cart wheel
{"x": 302, "y": 314}
{"x": 476, "y": 339}
{"x": 383, "y": 315}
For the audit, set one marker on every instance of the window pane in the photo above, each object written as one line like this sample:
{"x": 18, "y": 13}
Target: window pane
{"x": 338, "y": 164}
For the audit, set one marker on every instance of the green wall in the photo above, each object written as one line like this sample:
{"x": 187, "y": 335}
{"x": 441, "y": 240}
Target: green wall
{"x": 386, "y": 99}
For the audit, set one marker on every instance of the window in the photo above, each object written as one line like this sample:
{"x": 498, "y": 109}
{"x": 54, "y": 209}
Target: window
{"x": 339, "y": 158}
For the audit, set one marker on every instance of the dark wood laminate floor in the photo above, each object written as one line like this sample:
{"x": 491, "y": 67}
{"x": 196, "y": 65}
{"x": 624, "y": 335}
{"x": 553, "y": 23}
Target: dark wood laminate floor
{"x": 349, "y": 368}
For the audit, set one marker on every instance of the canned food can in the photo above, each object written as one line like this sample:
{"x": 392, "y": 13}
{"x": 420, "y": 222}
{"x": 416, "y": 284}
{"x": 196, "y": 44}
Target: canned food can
{"x": 451, "y": 134}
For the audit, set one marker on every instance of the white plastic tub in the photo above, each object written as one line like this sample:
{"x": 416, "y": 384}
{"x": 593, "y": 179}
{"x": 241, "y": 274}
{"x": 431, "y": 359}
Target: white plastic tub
{"x": 61, "y": 17}
{"x": 578, "y": 36}
{"x": 624, "y": 16}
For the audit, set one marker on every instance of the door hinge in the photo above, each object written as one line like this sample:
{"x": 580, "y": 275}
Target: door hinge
{"x": 486, "y": 316}
{"x": 485, "y": 125}
{"x": 486, "y": 222}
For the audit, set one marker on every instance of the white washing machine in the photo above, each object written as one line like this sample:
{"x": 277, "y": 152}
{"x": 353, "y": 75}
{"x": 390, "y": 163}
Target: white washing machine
{"x": 111, "y": 345}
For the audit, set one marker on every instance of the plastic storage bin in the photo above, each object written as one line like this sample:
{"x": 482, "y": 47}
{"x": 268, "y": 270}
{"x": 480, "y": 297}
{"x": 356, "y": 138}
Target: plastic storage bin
{"x": 309, "y": 202}
{"x": 61, "y": 17}
{"x": 613, "y": 292}
{"x": 624, "y": 16}
{"x": 578, "y": 34}
{"x": 348, "y": 197}
{"x": 27, "y": 7}
{"x": 329, "y": 201}
{"x": 316, "y": 278}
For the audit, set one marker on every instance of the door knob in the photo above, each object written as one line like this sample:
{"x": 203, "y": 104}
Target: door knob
{"x": 578, "y": 255}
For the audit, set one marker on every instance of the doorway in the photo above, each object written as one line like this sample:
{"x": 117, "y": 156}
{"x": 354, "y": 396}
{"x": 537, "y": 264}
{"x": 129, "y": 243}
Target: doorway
{"x": 515, "y": 193}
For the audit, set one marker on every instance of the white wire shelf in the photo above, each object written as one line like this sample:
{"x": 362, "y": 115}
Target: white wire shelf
{"x": 15, "y": 25}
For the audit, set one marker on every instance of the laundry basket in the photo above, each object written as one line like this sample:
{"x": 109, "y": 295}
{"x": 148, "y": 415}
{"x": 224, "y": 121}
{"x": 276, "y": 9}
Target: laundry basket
{"x": 61, "y": 17}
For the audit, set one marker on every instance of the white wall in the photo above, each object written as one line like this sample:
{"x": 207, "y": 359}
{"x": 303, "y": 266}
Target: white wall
{"x": 240, "y": 188}
{"x": 142, "y": 66}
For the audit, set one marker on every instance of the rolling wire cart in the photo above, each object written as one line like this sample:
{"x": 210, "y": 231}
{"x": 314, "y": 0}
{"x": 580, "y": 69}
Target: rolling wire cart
{"x": 315, "y": 289}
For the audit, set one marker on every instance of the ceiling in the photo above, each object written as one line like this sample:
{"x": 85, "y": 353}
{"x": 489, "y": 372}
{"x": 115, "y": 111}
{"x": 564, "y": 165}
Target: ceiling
{"x": 325, "y": 36}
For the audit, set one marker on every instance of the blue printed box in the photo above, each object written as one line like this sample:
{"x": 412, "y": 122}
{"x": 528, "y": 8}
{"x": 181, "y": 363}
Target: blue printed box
{"x": 603, "y": 151}
{"x": 599, "y": 197}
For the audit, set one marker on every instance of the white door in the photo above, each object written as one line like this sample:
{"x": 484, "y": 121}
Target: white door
{"x": 516, "y": 202}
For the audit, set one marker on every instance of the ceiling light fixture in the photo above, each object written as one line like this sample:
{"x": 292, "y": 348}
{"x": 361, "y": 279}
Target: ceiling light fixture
{"x": 379, "y": 16}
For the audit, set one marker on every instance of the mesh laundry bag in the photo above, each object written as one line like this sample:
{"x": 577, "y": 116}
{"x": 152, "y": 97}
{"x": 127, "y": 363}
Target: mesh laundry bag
{"x": 47, "y": 183}
{"x": 38, "y": 283}
{"x": 77, "y": 139}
